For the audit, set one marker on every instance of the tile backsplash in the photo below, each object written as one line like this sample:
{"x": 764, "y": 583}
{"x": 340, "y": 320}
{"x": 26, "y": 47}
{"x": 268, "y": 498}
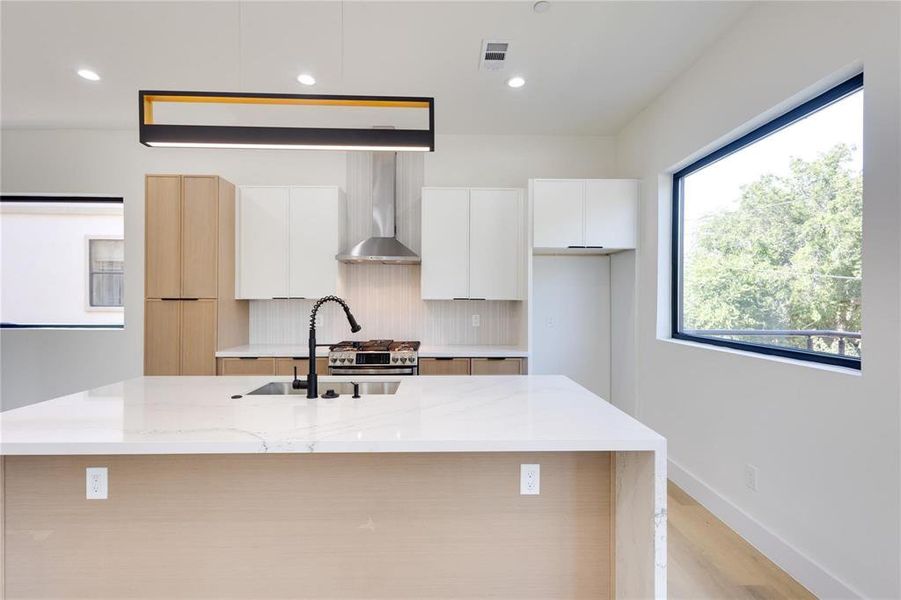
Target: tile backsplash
{"x": 386, "y": 299}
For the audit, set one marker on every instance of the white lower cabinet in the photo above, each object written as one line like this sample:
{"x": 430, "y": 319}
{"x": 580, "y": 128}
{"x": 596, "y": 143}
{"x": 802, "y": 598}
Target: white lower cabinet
{"x": 473, "y": 244}
{"x": 287, "y": 239}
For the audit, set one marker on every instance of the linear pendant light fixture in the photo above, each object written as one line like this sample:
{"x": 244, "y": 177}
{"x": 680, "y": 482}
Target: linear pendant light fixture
{"x": 374, "y": 137}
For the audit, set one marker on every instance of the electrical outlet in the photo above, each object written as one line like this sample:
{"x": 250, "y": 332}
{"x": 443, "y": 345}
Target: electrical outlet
{"x": 529, "y": 480}
{"x": 476, "y": 320}
{"x": 96, "y": 483}
{"x": 751, "y": 473}
{"x": 319, "y": 321}
{"x": 549, "y": 322}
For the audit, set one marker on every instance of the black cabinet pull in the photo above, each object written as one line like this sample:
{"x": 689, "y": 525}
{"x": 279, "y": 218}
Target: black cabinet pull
{"x": 247, "y": 357}
{"x": 444, "y": 358}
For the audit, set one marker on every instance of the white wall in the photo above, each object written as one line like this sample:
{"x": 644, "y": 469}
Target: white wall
{"x": 44, "y": 258}
{"x": 36, "y": 365}
{"x": 571, "y": 319}
{"x": 826, "y": 442}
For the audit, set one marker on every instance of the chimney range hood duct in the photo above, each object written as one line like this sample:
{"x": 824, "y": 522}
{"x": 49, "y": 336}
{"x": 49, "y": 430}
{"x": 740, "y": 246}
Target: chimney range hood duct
{"x": 383, "y": 246}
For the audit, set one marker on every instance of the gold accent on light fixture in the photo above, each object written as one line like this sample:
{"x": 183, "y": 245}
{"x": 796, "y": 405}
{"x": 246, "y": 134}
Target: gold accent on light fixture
{"x": 149, "y": 100}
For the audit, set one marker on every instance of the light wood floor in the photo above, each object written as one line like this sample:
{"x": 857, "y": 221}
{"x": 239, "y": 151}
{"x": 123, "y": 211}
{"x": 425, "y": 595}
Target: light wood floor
{"x": 706, "y": 559}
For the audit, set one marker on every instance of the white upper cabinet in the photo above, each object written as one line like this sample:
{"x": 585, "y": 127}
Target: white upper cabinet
{"x": 473, "y": 244}
{"x": 496, "y": 240}
{"x": 445, "y": 243}
{"x": 287, "y": 238}
{"x": 262, "y": 243}
{"x": 598, "y": 214}
{"x": 610, "y": 212}
{"x": 313, "y": 242}
{"x": 559, "y": 204}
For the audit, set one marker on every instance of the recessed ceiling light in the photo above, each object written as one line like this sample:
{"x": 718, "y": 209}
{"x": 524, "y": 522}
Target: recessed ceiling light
{"x": 88, "y": 74}
{"x": 516, "y": 82}
{"x": 541, "y": 6}
{"x": 306, "y": 79}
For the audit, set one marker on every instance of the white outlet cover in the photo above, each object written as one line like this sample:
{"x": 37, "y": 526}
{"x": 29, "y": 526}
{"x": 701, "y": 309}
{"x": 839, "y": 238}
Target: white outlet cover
{"x": 476, "y": 320}
{"x": 96, "y": 483}
{"x": 751, "y": 475}
{"x": 529, "y": 480}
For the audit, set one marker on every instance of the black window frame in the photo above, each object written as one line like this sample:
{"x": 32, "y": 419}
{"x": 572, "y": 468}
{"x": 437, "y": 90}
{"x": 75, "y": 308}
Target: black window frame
{"x": 813, "y": 105}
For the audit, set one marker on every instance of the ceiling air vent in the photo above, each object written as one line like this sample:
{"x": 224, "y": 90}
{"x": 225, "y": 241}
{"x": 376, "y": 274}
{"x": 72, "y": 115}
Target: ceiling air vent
{"x": 494, "y": 54}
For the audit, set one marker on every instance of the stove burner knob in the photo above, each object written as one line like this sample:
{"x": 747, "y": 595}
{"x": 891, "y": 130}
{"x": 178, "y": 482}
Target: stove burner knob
{"x": 394, "y": 359}
{"x": 403, "y": 359}
{"x": 333, "y": 360}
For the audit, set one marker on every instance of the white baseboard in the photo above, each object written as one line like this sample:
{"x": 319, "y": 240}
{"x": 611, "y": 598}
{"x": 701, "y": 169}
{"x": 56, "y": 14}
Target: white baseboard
{"x": 806, "y": 571}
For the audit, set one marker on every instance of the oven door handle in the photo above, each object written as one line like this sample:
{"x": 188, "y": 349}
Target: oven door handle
{"x": 374, "y": 371}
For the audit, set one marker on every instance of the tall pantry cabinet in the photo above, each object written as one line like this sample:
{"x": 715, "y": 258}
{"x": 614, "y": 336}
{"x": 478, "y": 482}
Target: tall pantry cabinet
{"x": 190, "y": 309}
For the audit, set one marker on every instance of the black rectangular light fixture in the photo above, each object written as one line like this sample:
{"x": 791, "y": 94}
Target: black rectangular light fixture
{"x": 373, "y": 138}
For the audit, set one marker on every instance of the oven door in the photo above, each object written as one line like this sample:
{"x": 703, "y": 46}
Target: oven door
{"x": 373, "y": 370}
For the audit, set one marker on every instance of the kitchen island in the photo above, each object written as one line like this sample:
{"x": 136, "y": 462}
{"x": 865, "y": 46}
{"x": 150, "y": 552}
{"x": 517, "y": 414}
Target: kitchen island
{"x": 415, "y": 493}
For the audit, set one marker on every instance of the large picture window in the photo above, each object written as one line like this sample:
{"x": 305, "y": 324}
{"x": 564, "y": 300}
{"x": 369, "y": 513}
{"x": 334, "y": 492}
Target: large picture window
{"x": 767, "y": 236}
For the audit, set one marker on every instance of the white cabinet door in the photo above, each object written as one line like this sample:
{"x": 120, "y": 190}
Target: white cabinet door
{"x": 262, "y": 244}
{"x": 313, "y": 242}
{"x": 445, "y": 243}
{"x": 558, "y": 216}
{"x": 611, "y": 207}
{"x": 496, "y": 229}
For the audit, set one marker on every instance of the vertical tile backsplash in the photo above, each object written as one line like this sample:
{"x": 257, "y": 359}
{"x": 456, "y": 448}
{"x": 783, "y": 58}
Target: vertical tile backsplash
{"x": 386, "y": 298}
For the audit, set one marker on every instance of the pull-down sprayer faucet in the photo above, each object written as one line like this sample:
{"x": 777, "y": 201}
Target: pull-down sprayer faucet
{"x": 312, "y": 377}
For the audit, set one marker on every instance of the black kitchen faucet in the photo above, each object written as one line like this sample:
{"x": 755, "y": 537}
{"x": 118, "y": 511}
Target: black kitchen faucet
{"x": 312, "y": 377}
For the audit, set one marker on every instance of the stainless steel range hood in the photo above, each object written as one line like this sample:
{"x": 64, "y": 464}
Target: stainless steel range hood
{"x": 383, "y": 246}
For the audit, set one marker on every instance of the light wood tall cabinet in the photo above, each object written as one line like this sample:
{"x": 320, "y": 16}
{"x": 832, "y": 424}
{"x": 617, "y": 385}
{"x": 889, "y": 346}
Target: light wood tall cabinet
{"x": 189, "y": 310}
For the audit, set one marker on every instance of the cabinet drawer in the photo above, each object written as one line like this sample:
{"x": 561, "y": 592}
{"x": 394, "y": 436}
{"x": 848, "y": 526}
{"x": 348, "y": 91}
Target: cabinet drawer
{"x": 497, "y": 366}
{"x": 444, "y": 366}
{"x": 246, "y": 366}
{"x": 285, "y": 366}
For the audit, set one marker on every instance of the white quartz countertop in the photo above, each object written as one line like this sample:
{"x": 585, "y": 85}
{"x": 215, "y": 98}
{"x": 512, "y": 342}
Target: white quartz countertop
{"x": 425, "y": 351}
{"x": 191, "y": 415}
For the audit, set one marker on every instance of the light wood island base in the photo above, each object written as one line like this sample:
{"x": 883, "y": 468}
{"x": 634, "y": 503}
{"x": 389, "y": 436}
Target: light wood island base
{"x": 436, "y": 525}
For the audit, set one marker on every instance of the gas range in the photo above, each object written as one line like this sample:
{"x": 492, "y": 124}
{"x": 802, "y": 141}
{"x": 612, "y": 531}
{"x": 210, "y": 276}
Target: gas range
{"x": 375, "y": 357}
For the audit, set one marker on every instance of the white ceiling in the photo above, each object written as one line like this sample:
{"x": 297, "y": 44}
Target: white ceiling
{"x": 589, "y": 66}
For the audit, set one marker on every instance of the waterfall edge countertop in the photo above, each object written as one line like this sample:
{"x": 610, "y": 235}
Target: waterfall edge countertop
{"x": 425, "y": 351}
{"x": 197, "y": 415}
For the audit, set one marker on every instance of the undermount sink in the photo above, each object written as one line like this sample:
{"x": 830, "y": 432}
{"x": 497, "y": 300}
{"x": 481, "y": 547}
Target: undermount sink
{"x": 367, "y": 388}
